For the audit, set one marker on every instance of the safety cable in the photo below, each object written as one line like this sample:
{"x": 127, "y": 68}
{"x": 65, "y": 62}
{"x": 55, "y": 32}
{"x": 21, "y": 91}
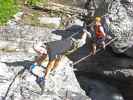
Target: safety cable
{"x": 80, "y": 60}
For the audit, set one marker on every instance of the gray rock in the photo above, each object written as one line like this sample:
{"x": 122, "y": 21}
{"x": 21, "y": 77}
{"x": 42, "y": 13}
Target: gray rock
{"x": 50, "y": 20}
{"x": 99, "y": 90}
{"x": 19, "y": 37}
{"x": 61, "y": 85}
{"x": 121, "y": 26}
{"x": 121, "y": 12}
{"x": 129, "y": 52}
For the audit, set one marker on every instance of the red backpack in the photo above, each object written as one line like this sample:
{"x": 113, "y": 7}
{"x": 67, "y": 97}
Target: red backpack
{"x": 98, "y": 32}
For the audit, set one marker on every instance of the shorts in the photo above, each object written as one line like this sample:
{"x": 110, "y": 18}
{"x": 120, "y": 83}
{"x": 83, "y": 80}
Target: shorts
{"x": 100, "y": 40}
{"x": 59, "y": 47}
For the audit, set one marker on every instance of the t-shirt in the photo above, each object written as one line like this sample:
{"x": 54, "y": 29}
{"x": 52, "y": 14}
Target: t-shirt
{"x": 59, "y": 47}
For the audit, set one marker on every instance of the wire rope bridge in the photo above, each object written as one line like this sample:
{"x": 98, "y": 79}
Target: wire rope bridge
{"x": 98, "y": 50}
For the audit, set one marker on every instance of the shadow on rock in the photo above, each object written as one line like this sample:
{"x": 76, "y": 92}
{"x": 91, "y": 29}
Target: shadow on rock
{"x": 99, "y": 90}
{"x": 26, "y": 64}
{"x": 69, "y": 31}
{"x": 104, "y": 85}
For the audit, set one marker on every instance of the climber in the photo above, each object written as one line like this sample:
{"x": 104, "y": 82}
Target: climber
{"x": 35, "y": 69}
{"x": 62, "y": 47}
{"x": 42, "y": 52}
{"x": 55, "y": 50}
{"x": 99, "y": 37}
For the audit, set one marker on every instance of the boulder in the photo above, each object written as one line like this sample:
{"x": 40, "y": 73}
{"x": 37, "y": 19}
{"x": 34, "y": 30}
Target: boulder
{"x": 122, "y": 26}
{"x": 20, "y": 37}
{"x": 61, "y": 84}
{"x": 121, "y": 12}
{"x": 99, "y": 90}
{"x": 50, "y": 20}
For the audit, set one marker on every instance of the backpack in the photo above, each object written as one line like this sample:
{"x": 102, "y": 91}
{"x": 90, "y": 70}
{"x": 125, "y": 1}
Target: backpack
{"x": 105, "y": 25}
{"x": 98, "y": 32}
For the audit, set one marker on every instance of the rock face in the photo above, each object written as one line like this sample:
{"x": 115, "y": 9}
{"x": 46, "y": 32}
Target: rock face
{"x": 121, "y": 12}
{"x": 61, "y": 85}
{"x": 17, "y": 83}
{"x": 122, "y": 25}
{"x": 20, "y": 37}
{"x": 50, "y": 20}
{"x": 108, "y": 67}
{"x": 99, "y": 90}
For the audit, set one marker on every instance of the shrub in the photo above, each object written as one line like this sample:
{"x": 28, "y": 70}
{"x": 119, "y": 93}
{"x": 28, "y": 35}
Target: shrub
{"x": 7, "y": 9}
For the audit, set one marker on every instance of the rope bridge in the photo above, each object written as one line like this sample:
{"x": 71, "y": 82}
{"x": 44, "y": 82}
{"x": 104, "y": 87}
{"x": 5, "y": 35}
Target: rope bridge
{"x": 98, "y": 50}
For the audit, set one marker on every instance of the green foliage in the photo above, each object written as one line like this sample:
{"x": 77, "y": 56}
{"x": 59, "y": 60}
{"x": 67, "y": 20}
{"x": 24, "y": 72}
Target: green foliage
{"x": 7, "y": 9}
{"x": 36, "y": 2}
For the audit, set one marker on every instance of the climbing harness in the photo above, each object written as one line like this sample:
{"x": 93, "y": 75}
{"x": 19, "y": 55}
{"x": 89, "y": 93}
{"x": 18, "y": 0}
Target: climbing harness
{"x": 80, "y": 60}
{"x": 37, "y": 70}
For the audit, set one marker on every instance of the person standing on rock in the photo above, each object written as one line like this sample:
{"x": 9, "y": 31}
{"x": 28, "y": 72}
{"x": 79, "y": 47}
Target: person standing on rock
{"x": 99, "y": 35}
{"x": 55, "y": 50}
{"x": 63, "y": 47}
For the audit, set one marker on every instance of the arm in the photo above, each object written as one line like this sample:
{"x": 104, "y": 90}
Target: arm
{"x": 40, "y": 58}
{"x": 42, "y": 53}
{"x": 86, "y": 32}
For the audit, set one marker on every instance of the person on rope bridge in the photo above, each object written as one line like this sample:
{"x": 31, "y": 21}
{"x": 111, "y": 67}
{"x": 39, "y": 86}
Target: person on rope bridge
{"x": 54, "y": 51}
{"x": 99, "y": 35}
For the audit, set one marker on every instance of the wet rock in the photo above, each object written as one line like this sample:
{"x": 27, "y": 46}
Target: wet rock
{"x": 99, "y": 90}
{"x": 108, "y": 67}
{"x": 129, "y": 52}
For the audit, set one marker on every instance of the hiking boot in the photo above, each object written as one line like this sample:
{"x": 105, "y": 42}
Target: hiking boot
{"x": 42, "y": 90}
{"x": 41, "y": 82}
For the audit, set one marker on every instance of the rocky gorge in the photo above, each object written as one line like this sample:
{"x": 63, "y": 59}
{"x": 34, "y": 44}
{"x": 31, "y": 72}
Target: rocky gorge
{"x": 106, "y": 76}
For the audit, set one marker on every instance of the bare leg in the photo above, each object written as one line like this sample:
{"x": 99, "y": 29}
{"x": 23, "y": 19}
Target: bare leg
{"x": 56, "y": 63}
{"x": 49, "y": 68}
{"x": 83, "y": 36}
{"x": 93, "y": 48}
{"x": 103, "y": 45}
{"x": 81, "y": 42}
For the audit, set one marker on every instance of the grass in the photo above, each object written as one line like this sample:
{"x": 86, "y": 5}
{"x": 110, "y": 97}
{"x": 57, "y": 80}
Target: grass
{"x": 7, "y": 9}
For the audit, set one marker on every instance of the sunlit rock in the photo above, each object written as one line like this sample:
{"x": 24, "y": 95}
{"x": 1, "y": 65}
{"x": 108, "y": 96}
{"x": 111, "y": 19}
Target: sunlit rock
{"x": 62, "y": 83}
